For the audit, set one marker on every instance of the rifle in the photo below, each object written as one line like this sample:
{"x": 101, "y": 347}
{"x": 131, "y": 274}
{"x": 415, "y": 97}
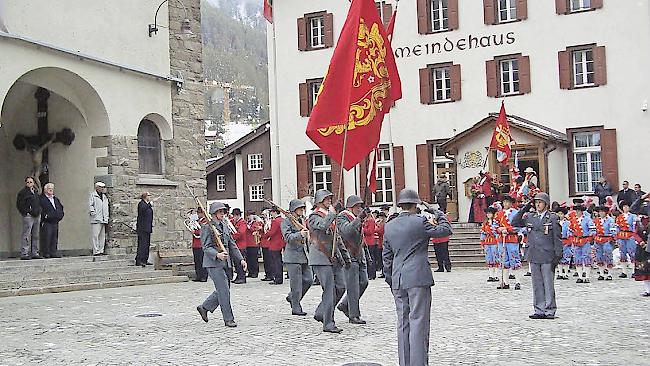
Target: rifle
{"x": 215, "y": 233}
{"x": 294, "y": 220}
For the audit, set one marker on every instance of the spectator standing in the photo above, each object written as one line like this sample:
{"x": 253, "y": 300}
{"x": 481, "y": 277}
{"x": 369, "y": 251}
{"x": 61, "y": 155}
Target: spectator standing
{"x": 144, "y": 227}
{"x": 625, "y": 194}
{"x": 370, "y": 239}
{"x": 98, "y": 209}
{"x": 28, "y": 204}
{"x": 253, "y": 239}
{"x": 197, "y": 248}
{"x": 602, "y": 190}
{"x": 51, "y": 214}
{"x": 638, "y": 193}
{"x": 441, "y": 190}
{"x": 276, "y": 244}
{"x": 241, "y": 239}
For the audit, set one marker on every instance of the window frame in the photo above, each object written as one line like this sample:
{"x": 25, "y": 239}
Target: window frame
{"x": 311, "y": 98}
{"x": 512, "y": 5}
{"x": 514, "y": 61}
{"x": 384, "y": 165}
{"x": 582, "y": 8}
{"x": 446, "y": 88}
{"x": 323, "y": 169}
{"x": 257, "y": 188}
{"x": 309, "y": 18}
{"x": 574, "y": 74}
{"x": 588, "y": 151}
{"x": 159, "y": 147}
{"x": 220, "y": 182}
{"x": 441, "y": 12}
{"x": 255, "y": 162}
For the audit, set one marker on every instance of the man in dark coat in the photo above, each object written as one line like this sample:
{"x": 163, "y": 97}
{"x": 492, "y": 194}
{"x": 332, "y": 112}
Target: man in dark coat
{"x": 144, "y": 227}
{"x": 626, "y": 194}
{"x": 51, "y": 214}
{"x": 28, "y": 204}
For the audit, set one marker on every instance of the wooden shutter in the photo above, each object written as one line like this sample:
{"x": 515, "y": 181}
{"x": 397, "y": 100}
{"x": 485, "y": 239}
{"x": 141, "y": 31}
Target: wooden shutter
{"x": 336, "y": 175}
{"x": 425, "y": 86}
{"x": 329, "y": 29}
{"x": 424, "y": 17}
{"x": 522, "y": 9}
{"x": 398, "y": 162}
{"x": 489, "y": 12}
{"x": 564, "y": 65}
{"x": 600, "y": 69}
{"x": 424, "y": 171}
{"x": 303, "y": 91}
{"x": 454, "y": 72}
{"x": 597, "y": 4}
{"x": 609, "y": 155}
{"x": 561, "y": 6}
{"x": 524, "y": 74}
{"x": 452, "y": 11}
{"x": 302, "y": 34}
{"x": 302, "y": 175}
{"x": 491, "y": 78}
{"x": 388, "y": 13}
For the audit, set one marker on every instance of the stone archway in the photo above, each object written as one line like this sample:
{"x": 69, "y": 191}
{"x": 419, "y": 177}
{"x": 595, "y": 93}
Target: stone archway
{"x": 73, "y": 103}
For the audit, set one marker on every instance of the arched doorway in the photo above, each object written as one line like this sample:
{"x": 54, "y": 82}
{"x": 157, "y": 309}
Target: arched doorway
{"x": 71, "y": 103}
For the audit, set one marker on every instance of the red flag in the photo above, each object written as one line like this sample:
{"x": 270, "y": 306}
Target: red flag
{"x": 360, "y": 87}
{"x": 268, "y": 10}
{"x": 501, "y": 137}
{"x": 372, "y": 170}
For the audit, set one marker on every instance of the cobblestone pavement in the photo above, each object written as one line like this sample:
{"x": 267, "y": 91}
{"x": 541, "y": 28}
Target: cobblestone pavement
{"x": 602, "y": 323}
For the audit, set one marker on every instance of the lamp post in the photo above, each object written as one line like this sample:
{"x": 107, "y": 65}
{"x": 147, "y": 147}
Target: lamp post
{"x": 186, "y": 27}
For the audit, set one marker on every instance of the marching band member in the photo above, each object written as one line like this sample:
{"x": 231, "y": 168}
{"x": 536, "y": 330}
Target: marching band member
{"x": 489, "y": 243}
{"x": 626, "y": 224}
{"x": 253, "y": 240}
{"x": 241, "y": 238}
{"x": 196, "y": 221}
{"x": 295, "y": 256}
{"x": 276, "y": 244}
{"x": 264, "y": 245}
{"x": 582, "y": 229}
{"x": 603, "y": 240}
{"x": 509, "y": 235}
{"x": 370, "y": 240}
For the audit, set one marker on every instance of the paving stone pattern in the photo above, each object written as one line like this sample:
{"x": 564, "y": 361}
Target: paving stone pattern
{"x": 602, "y": 323}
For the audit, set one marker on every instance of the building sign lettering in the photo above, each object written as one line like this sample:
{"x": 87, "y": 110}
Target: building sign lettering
{"x": 449, "y": 45}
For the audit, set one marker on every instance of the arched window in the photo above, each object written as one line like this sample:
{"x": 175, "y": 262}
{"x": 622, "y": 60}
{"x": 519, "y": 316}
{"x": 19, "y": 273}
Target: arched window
{"x": 149, "y": 149}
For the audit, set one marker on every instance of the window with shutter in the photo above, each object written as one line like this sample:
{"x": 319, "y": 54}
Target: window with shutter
{"x": 302, "y": 34}
{"x": 585, "y": 159}
{"x": 149, "y": 148}
{"x": 302, "y": 175}
{"x": 582, "y": 66}
{"x": 506, "y": 11}
{"x": 315, "y": 31}
{"x": 440, "y": 83}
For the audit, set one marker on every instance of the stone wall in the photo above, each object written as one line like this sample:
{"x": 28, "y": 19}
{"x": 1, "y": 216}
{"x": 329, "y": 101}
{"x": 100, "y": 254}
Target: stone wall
{"x": 184, "y": 155}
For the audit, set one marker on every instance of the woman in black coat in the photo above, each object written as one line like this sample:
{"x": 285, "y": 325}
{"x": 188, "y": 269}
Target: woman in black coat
{"x": 144, "y": 228}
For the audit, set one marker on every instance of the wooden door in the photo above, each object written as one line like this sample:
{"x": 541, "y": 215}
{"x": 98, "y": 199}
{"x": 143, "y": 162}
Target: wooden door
{"x": 449, "y": 170}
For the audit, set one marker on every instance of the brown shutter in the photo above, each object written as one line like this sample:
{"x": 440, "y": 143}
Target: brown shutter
{"x": 564, "y": 65}
{"x": 424, "y": 18}
{"x": 489, "y": 12}
{"x": 304, "y": 99}
{"x": 596, "y": 4}
{"x": 329, "y": 29}
{"x": 302, "y": 175}
{"x": 398, "y": 162}
{"x": 452, "y": 10}
{"x": 524, "y": 74}
{"x": 388, "y": 13}
{"x": 571, "y": 164}
{"x": 424, "y": 171}
{"x": 302, "y": 34}
{"x": 491, "y": 78}
{"x": 363, "y": 178}
{"x": 600, "y": 69}
{"x": 425, "y": 86}
{"x": 561, "y": 6}
{"x": 522, "y": 9}
{"x": 609, "y": 155}
{"x": 336, "y": 174}
{"x": 455, "y": 82}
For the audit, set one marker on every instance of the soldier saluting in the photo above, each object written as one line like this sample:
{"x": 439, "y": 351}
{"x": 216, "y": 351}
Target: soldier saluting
{"x": 295, "y": 256}
{"x": 408, "y": 273}
{"x": 350, "y": 223}
{"x": 329, "y": 270}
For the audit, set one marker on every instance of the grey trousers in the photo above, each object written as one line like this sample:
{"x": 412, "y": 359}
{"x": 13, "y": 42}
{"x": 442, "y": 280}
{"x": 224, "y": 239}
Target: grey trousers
{"x": 300, "y": 280}
{"x": 356, "y": 283}
{"x": 29, "y": 240}
{"x": 221, "y": 294}
{"x": 333, "y": 284}
{"x": 413, "y": 308}
{"x": 543, "y": 278}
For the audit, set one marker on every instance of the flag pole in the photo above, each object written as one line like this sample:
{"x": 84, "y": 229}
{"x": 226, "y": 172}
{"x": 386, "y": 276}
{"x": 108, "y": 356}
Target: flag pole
{"x": 337, "y": 234}
{"x": 277, "y": 180}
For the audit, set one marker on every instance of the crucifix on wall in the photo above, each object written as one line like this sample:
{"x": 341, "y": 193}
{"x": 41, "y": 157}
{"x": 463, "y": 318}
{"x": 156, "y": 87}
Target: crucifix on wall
{"x": 38, "y": 145}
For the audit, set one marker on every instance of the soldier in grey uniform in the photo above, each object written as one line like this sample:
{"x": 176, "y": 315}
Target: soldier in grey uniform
{"x": 295, "y": 257}
{"x": 350, "y": 224}
{"x": 408, "y": 273}
{"x": 217, "y": 263}
{"x": 328, "y": 270}
{"x": 544, "y": 252}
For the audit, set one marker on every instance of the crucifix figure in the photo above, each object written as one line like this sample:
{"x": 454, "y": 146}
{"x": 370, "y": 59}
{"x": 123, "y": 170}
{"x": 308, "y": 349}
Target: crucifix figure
{"x": 38, "y": 145}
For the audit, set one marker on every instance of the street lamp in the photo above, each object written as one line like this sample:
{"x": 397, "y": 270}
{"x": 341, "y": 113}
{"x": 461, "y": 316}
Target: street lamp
{"x": 186, "y": 27}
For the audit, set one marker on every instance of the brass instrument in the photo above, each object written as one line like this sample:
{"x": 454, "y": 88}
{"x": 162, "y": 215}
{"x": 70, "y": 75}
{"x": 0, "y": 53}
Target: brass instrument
{"x": 192, "y": 222}
{"x": 215, "y": 233}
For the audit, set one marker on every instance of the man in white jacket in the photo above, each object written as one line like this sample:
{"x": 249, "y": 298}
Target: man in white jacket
{"x": 98, "y": 209}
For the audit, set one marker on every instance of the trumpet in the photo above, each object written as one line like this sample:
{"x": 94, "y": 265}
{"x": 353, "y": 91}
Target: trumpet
{"x": 192, "y": 223}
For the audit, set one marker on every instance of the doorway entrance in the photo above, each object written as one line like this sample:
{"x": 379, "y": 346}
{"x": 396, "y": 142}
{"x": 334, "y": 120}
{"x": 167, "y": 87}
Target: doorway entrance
{"x": 523, "y": 156}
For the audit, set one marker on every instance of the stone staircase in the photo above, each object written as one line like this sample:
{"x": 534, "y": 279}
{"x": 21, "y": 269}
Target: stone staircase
{"x": 464, "y": 247}
{"x": 42, "y": 276}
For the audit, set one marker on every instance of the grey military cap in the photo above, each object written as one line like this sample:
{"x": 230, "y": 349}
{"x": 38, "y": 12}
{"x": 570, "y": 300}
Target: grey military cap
{"x": 407, "y": 196}
{"x": 216, "y": 206}
{"x": 352, "y": 201}
{"x": 296, "y": 204}
{"x": 321, "y": 194}
{"x": 543, "y": 197}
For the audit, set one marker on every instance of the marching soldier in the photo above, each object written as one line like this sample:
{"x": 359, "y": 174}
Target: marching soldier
{"x": 349, "y": 223}
{"x": 295, "y": 257}
{"x": 217, "y": 264}
{"x": 329, "y": 269}
{"x": 544, "y": 253}
{"x": 408, "y": 273}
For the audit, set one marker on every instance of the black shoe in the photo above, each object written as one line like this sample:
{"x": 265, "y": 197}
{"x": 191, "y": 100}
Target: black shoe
{"x": 580, "y": 280}
{"x": 537, "y": 316}
{"x": 503, "y": 287}
{"x": 622, "y": 275}
{"x": 239, "y": 281}
{"x": 149, "y": 264}
{"x": 646, "y": 294}
{"x": 528, "y": 274}
{"x": 584, "y": 274}
{"x": 559, "y": 277}
{"x": 335, "y": 330}
{"x": 601, "y": 278}
{"x": 343, "y": 310}
{"x": 143, "y": 265}
{"x": 318, "y": 318}
{"x": 357, "y": 321}
{"x": 517, "y": 286}
{"x": 382, "y": 276}
{"x": 37, "y": 257}
{"x": 203, "y": 311}
{"x": 575, "y": 274}
{"x": 266, "y": 279}
{"x": 230, "y": 324}
{"x": 55, "y": 256}
{"x": 608, "y": 278}
{"x": 299, "y": 313}
{"x": 46, "y": 256}
{"x": 549, "y": 317}
{"x": 316, "y": 282}
{"x": 448, "y": 269}
{"x": 586, "y": 280}
{"x": 196, "y": 280}
{"x": 439, "y": 270}
{"x": 288, "y": 299}
{"x": 606, "y": 271}
{"x": 490, "y": 279}
{"x": 25, "y": 257}
{"x": 511, "y": 277}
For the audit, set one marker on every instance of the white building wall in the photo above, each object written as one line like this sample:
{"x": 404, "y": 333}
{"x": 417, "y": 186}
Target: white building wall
{"x": 623, "y": 27}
